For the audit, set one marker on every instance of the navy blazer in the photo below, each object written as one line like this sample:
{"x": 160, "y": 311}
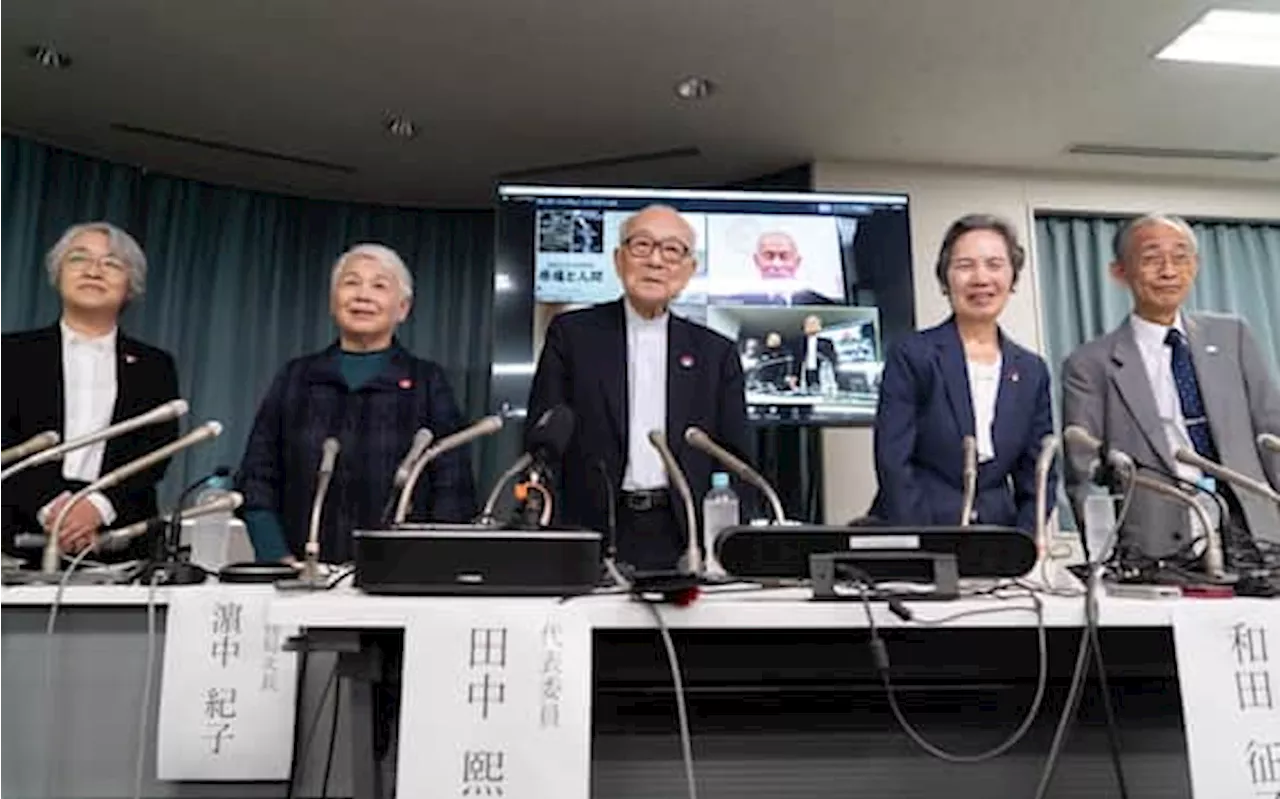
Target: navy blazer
{"x": 584, "y": 365}
{"x": 924, "y": 414}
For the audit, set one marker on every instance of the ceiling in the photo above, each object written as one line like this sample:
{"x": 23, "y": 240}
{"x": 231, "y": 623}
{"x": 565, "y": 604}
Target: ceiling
{"x": 497, "y": 86}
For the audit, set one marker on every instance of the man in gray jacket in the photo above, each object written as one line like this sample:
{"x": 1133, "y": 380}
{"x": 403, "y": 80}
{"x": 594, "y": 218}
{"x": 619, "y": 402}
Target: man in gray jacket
{"x": 1166, "y": 379}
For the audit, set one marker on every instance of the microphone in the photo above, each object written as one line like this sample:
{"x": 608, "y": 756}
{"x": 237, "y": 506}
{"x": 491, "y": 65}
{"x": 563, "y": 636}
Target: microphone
{"x": 311, "y": 552}
{"x": 421, "y": 440}
{"x": 696, "y": 438}
{"x": 1048, "y": 449}
{"x": 1077, "y": 437}
{"x": 1214, "y": 563}
{"x": 121, "y": 536}
{"x": 1193, "y": 458}
{"x": 970, "y": 479}
{"x": 206, "y": 431}
{"x": 161, "y": 413}
{"x": 484, "y": 427}
{"x": 611, "y": 548}
{"x": 692, "y": 555}
{"x": 31, "y": 446}
{"x": 546, "y": 442}
{"x": 1269, "y": 441}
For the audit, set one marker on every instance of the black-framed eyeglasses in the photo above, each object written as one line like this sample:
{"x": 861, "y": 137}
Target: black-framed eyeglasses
{"x": 671, "y": 251}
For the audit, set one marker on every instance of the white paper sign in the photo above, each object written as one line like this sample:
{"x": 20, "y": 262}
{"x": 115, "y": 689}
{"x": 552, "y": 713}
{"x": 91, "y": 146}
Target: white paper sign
{"x": 227, "y": 691}
{"x": 497, "y": 701}
{"x": 1228, "y": 655}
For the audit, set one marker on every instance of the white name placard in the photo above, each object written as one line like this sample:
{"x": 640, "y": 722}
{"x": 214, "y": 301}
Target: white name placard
{"x": 497, "y": 701}
{"x": 1228, "y": 655}
{"x": 227, "y": 691}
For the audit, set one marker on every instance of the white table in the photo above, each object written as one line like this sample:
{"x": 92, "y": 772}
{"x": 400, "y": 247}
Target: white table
{"x": 793, "y": 646}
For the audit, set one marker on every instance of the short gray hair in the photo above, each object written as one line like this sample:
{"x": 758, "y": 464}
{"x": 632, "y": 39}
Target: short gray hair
{"x": 1120, "y": 242}
{"x": 120, "y": 244}
{"x": 386, "y": 257}
{"x": 625, "y": 229}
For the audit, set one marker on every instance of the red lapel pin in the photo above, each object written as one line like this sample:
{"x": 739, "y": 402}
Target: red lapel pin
{"x": 130, "y": 358}
{"x": 406, "y": 383}
{"x": 686, "y": 361}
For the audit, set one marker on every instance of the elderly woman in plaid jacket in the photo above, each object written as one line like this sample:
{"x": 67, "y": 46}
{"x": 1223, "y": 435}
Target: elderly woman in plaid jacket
{"x": 372, "y": 395}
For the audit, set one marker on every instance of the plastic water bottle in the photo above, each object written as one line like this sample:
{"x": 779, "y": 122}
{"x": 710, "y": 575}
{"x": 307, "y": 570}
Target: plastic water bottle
{"x": 215, "y": 539}
{"x": 1099, "y": 524}
{"x": 720, "y": 510}
{"x": 1206, "y": 498}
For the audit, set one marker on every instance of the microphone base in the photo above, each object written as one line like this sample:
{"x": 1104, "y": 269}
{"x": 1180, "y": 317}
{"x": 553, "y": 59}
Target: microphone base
{"x": 305, "y": 582}
{"x": 80, "y": 577}
{"x": 173, "y": 572}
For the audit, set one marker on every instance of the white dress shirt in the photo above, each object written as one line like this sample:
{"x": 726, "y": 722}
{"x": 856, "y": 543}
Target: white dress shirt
{"x": 984, "y": 387}
{"x": 1157, "y": 357}
{"x": 811, "y": 352}
{"x": 89, "y": 399}
{"x": 646, "y": 398}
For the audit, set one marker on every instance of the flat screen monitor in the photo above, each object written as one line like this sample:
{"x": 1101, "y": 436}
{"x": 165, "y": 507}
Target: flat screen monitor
{"x": 810, "y": 287}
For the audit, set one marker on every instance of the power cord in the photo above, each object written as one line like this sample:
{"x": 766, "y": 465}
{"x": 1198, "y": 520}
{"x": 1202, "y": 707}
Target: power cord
{"x": 686, "y": 740}
{"x": 880, "y": 656}
{"x": 1088, "y": 638}
{"x": 148, "y": 678}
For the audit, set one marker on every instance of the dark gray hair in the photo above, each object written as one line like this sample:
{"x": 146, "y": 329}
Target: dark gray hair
{"x": 969, "y": 223}
{"x": 1124, "y": 236}
{"x": 121, "y": 245}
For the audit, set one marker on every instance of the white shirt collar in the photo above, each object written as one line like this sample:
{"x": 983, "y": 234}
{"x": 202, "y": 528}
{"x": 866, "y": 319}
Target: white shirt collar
{"x": 1150, "y": 335}
{"x": 638, "y": 322}
{"x": 105, "y": 343}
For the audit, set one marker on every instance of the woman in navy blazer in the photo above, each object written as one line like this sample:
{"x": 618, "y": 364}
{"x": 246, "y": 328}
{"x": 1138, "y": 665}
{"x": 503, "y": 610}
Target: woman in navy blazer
{"x": 964, "y": 377}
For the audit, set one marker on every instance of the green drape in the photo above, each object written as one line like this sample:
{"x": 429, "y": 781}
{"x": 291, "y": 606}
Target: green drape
{"x": 238, "y": 281}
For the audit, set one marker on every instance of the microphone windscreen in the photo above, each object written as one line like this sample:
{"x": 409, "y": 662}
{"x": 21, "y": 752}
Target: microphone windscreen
{"x": 548, "y": 437}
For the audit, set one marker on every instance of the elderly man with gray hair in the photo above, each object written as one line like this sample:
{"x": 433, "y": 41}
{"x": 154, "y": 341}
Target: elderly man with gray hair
{"x": 1167, "y": 380}
{"x": 78, "y": 376}
{"x": 371, "y": 394}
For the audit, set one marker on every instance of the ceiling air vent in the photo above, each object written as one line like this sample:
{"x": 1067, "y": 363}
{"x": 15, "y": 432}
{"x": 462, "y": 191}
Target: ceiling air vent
{"x": 1248, "y": 156}
{"x": 235, "y": 149}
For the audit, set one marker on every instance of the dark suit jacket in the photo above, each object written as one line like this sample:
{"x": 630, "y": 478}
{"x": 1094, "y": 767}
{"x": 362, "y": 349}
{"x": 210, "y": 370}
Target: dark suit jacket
{"x": 33, "y": 402}
{"x": 584, "y": 365}
{"x": 924, "y": 413}
{"x": 826, "y": 352}
{"x": 309, "y": 401}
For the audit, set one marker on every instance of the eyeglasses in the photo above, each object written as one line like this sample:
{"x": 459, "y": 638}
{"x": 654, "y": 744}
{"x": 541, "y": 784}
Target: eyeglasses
{"x": 671, "y": 251}
{"x": 1151, "y": 261}
{"x": 81, "y": 261}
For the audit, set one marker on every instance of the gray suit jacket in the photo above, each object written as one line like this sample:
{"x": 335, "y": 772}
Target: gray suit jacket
{"x": 1107, "y": 392}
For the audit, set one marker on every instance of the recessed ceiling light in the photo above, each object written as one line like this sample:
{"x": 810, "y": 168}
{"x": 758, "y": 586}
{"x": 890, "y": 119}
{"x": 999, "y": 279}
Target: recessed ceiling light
{"x": 1248, "y": 38}
{"x": 694, "y": 88}
{"x": 48, "y": 56}
{"x": 401, "y": 126}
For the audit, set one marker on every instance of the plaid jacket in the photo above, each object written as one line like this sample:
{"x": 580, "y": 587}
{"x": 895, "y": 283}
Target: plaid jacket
{"x": 308, "y": 402}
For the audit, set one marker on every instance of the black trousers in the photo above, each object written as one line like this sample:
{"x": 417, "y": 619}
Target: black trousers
{"x": 650, "y": 540}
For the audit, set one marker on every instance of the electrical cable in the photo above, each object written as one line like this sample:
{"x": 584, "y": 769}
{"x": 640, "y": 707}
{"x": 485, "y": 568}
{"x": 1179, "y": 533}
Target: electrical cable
{"x": 880, "y": 656}
{"x": 1075, "y": 691}
{"x": 148, "y": 678}
{"x": 686, "y": 740}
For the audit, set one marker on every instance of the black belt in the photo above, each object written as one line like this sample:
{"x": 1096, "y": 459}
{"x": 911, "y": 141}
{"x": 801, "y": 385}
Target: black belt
{"x": 641, "y": 501}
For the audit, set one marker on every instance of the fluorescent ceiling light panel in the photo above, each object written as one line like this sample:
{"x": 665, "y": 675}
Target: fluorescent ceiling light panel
{"x": 1248, "y": 38}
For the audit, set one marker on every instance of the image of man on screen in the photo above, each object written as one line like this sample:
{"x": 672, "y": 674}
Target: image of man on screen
{"x": 812, "y": 351}
{"x": 777, "y": 261}
{"x": 771, "y": 367}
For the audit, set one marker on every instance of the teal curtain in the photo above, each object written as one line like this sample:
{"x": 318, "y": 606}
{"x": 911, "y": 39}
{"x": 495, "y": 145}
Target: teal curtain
{"x": 1239, "y": 274}
{"x": 238, "y": 281}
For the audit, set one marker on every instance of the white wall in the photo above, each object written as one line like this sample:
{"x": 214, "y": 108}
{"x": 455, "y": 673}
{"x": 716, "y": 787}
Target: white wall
{"x": 939, "y": 195}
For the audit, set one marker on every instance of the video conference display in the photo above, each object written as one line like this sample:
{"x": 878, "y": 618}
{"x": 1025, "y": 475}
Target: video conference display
{"x": 811, "y": 287}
